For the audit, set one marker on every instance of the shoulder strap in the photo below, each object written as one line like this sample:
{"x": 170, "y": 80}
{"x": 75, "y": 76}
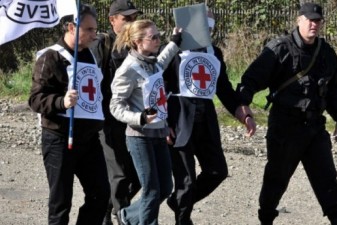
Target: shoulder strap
{"x": 296, "y": 77}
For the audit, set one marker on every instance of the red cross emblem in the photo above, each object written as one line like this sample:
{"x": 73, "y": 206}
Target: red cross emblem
{"x": 90, "y": 89}
{"x": 161, "y": 101}
{"x": 202, "y": 76}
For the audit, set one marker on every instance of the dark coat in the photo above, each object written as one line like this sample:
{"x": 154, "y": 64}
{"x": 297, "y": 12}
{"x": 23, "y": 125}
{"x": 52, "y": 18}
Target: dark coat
{"x": 280, "y": 60}
{"x": 181, "y": 110}
{"x": 109, "y": 64}
{"x": 49, "y": 85}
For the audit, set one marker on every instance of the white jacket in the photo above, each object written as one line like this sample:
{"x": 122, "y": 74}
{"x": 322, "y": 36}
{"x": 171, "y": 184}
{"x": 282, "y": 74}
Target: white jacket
{"x": 126, "y": 104}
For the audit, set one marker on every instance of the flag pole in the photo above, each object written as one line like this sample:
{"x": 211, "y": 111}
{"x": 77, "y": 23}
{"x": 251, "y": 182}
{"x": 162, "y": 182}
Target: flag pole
{"x": 72, "y": 109}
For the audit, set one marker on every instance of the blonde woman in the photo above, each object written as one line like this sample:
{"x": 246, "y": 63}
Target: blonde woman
{"x": 139, "y": 100}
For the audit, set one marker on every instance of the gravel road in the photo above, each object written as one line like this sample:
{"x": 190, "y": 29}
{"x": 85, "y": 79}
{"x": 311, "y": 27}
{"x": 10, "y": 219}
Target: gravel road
{"x": 24, "y": 189}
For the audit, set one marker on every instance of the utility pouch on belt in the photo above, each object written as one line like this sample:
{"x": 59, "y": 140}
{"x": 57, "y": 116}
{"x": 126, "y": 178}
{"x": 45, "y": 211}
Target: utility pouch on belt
{"x": 300, "y": 74}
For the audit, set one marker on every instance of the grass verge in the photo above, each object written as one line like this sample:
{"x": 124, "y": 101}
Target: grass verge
{"x": 16, "y": 85}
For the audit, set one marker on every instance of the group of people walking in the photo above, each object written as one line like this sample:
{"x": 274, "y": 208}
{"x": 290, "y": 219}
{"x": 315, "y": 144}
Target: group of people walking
{"x": 143, "y": 112}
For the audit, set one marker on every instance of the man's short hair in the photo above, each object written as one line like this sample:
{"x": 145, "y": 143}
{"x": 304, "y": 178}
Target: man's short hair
{"x": 85, "y": 10}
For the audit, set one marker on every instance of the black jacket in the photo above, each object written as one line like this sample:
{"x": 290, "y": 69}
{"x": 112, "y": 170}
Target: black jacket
{"x": 49, "y": 85}
{"x": 114, "y": 60}
{"x": 181, "y": 110}
{"x": 283, "y": 58}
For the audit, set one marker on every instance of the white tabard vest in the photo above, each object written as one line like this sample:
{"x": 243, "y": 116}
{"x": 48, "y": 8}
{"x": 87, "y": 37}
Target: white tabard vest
{"x": 198, "y": 74}
{"x": 153, "y": 92}
{"x": 88, "y": 85}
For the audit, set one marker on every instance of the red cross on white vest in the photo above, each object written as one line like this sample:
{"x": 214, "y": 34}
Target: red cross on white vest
{"x": 90, "y": 89}
{"x": 202, "y": 76}
{"x": 162, "y": 98}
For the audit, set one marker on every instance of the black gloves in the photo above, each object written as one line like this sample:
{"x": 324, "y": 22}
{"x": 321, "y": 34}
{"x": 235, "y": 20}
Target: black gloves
{"x": 176, "y": 38}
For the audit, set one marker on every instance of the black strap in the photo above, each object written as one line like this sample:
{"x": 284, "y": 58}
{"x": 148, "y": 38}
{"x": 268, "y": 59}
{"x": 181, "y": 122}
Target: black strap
{"x": 106, "y": 51}
{"x": 296, "y": 77}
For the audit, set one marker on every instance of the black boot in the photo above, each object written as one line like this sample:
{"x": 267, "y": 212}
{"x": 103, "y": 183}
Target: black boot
{"x": 267, "y": 223}
{"x": 107, "y": 218}
{"x": 334, "y": 221}
{"x": 332, "y": 216}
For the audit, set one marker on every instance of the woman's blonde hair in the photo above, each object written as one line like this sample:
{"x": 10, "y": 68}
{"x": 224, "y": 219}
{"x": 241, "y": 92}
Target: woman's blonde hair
{"x": 130, "y": 33}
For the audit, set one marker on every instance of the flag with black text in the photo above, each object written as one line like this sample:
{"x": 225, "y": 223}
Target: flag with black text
{"x": 19, "y": 16}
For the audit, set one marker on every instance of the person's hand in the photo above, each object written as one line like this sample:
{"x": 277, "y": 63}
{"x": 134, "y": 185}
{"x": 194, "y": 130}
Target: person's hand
{"x": 150, "y": 118}
{"x": 242, "y": 112}
{"x": 250, "y": 126}
{"x": 170, "y": 138}
{"x": 176, "y": 36}
{"x": 245, "y": 115}
{"x": 70, "y": 99}
{"x": 148, "y": 115}
{"x": 177, "y": 30}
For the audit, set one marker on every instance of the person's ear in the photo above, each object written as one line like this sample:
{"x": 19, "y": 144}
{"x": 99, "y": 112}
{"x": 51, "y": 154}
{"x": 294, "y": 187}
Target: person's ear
{"x": 112, "y": 20}
{"x": 71, "y": 28}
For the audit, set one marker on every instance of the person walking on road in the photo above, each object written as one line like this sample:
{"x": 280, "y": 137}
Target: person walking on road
{"x": 300, "y": 70}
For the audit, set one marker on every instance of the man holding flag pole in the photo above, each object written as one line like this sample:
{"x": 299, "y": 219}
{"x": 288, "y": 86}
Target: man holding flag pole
{"x": 66, "y": 92}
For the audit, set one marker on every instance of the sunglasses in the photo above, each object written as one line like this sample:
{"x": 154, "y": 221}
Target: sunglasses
{"x": 153, "y": 37}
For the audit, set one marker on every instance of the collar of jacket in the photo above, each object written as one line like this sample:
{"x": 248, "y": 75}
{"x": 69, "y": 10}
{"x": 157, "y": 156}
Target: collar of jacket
{"x": 148, "y": 59}
{"x": 112, "y": 34}
{"x": 299, "y": 41}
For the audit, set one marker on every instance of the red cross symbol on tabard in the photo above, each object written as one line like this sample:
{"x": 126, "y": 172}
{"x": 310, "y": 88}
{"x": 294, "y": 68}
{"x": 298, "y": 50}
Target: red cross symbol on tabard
{"x": 90, "y": 89}
{"x": 161, "y": 101}
{"x": 202, "y": 76}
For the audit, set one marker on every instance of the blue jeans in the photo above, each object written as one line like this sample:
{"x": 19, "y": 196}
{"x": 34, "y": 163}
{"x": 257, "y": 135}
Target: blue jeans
{"x": 153, "y": 165}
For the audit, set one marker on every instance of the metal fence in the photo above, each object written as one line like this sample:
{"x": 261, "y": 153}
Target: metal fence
{"x": 231, "y": 16}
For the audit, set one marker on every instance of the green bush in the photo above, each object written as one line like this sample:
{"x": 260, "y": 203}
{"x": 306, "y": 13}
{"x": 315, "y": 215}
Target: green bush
{"x": 17, "y": 85}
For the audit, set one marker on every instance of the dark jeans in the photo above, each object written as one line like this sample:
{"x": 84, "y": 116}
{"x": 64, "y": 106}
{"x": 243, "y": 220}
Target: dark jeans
{"x": 123, "y": 178}
{"x": 152, "y": 161}
{"x": 86, "y": 161}
{"x": 190, "y": 188}
{"x": 290, "y": 142}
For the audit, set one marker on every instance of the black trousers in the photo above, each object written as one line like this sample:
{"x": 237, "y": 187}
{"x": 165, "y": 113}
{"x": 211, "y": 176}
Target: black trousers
{"x": 124, "y": 182}
{"x": 289, "y": 142}
{"x": 86, "y": 161}
{"x": 190, "y": 188}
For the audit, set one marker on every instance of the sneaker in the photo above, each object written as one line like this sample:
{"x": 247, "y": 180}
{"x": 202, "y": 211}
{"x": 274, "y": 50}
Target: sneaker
{"x": 120, "y": 217}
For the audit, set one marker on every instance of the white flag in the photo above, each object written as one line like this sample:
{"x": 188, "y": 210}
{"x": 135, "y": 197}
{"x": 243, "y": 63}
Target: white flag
{"x": 19, "y": 16}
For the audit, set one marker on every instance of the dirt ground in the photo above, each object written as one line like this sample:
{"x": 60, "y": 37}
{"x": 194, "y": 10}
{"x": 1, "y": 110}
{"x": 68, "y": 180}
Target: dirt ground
{"x": 24, "y": 189}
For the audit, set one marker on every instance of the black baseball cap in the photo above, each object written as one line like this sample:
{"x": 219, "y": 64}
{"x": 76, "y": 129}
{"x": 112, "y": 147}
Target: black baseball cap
{"x": 123, "y": 7}
{"x": 311, "y": 11}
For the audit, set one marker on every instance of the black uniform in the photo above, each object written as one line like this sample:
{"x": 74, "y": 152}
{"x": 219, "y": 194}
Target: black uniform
{"x": 195, "y": 123}
{"x": 122, "y": 174}
{"x": 296, "y": 127}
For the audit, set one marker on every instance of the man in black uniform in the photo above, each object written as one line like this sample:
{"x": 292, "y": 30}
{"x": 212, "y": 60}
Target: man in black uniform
{"x": 300, "y": 70}
{"x": 122, "y": 174}
{"x": 194, "y": 126}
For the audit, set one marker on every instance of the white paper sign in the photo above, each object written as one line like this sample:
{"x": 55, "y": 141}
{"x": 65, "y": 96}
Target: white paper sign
{"x": 193, "y": 20}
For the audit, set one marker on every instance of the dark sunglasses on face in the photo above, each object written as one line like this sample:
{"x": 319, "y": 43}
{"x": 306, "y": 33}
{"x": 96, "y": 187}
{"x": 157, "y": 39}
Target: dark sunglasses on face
{"x": 130, "y": 18}
{"x": 153, "y": 37}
